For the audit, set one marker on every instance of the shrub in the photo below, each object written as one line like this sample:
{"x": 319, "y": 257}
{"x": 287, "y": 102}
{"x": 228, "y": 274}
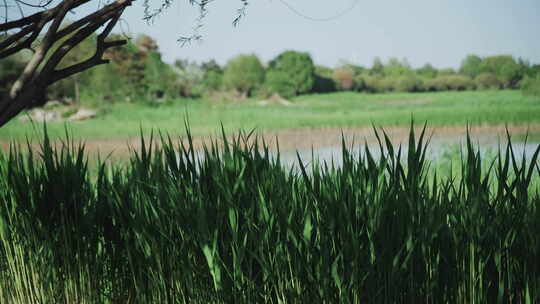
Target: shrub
{"x": 323, "y": 80}
{"x": 459, "y": 82}
{"x": 212, "y": 80}
{"x": 377, "y": 84}
{"x": 471, "y": 66}
{"x": 531, "y": 86}
{"x": 487, "y": 81}
{"x": 359, "y": 83}
{"x": 505, "y": 68}
{"x": 409, "y": 83}
{"x": 431, "y": 85}
{"x": 344, "y": 78}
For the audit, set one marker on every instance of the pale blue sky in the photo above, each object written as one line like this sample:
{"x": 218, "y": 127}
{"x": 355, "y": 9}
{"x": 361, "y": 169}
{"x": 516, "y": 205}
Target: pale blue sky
{"x": 435, "y": 31}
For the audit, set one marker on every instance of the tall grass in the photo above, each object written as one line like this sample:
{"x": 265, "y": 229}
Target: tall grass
{"x": 232, "y": 225}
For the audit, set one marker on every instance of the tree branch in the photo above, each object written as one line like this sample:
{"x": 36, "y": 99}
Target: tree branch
{"x": 97, "y": 58}
{"x": 111, "y": 14}
{"x": 33, "y": 81}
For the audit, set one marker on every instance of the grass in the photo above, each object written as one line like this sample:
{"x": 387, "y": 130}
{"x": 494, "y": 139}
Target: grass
{"x": 235, "y": 226}
{"x": 346, "y": 109}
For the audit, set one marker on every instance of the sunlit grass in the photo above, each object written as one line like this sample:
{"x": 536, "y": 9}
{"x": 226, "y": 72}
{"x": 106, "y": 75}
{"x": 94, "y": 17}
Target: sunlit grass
{"x": 346, "y": 109}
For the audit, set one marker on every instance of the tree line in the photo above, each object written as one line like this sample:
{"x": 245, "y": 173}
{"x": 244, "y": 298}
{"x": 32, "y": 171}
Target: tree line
{"x": 137, "y": 72}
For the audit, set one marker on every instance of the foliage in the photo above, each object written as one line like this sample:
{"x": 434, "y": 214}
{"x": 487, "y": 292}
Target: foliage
{"x": 396, "y": 68}
{"x": 324, "y": 83}
{"x": 213, "y": 76}
{"x": 505, "y": 68}
{"x": 344, "y": 77}
{"x": 70, "y": 88}
{"x": 291, "y": 73}
{"x": 531, "y": 86}
{"x": 189, "y": 76}
{"x": 427, "y": 71}
{"x": 471, "y": 66}
{"x": 231, "y": 224}
{"x": 407, "y": 83}
{"x": 446, "y": 72}
{"x": 159, "y": 77}
{"x": 377, "y": 69}
{"x": 244, "y": 73}
{"x": 10, "y": 69}
{"x": 487, "y": 81}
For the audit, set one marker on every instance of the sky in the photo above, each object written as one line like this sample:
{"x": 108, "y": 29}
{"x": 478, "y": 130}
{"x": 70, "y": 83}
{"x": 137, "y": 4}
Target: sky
{"x": 435, "y": 31}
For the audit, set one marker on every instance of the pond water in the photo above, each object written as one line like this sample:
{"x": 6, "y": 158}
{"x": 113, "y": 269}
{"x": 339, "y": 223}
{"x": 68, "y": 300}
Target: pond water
{"x": 437, "y": 150}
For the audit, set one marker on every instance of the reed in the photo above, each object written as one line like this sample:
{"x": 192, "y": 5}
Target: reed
{"x": 231, "y": 224}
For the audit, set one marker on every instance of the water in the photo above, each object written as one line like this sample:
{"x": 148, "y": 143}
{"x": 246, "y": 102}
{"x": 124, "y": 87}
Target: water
{"x": 436, "y": 150}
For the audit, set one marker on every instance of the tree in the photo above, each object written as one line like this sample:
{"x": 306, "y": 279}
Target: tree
{"x": 487, "y": 81}
{"x": 69, "y": 88}
{"x": 505, "y": 68}
{"x": 471, "y": 66}
{"x": 42, "y": 33}
{"x": 377, "y": 69}
{"x": 243, "y": 74}
{"x": 396, "y": 68}
{"x": 427, "y": 71}
{"x": 188, "y": 74}
{"x": 213, "y": 75}
{"x": 531, "y": 85}
{"x": 291, "y": 73}
{"x": 323, "y": 80}
{"x": 344, "y": 77}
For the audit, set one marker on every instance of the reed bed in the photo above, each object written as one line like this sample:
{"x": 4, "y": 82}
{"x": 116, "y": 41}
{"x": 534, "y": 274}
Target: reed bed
{"x": 233, "y": 225}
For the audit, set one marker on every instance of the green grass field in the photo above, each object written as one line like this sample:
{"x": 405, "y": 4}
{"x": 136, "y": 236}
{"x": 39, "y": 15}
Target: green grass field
{"x": 345, "y": 109}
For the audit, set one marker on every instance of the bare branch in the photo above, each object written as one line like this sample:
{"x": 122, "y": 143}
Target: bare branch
{"x": 111, "y": 12}
{"x": 21, "y": 22}
{"x": 33, "y": 81}
{"x": 79, "y": 23}
{"x": 28, "y": 73}
{"x": 14, "y": 38}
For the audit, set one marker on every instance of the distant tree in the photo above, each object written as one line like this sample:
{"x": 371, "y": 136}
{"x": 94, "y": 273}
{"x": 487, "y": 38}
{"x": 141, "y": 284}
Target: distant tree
{"x": 534, "y": 70}
{"x": 427, "y": 71}
{"x": 487, "y": 81}
{"x": 459, "y": 82}
{"x": 360, "y": 82}
{"x": 344, "y": 78}
{"x": 323, "y": 80}
{"x": 213, "y": 75}
{"x": 146, "y": 44}
{"x": 505, "y": 68}
{"x": 244, "y": 73}
{"x": 129, "y": 65}
{"x": 291, "y": 73}
{"x": 377, "y": 69}
{"x": 211, "y": 65}
{"x": 159, "y": 77}
{"x": 395, "y": 68}
{"x": 531, "y": 85}
{"x": 188, "y": 77}
{"x": 407, "y": 83}
{"x": 446, "y": 72}
{"x": 471, "y": 66}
